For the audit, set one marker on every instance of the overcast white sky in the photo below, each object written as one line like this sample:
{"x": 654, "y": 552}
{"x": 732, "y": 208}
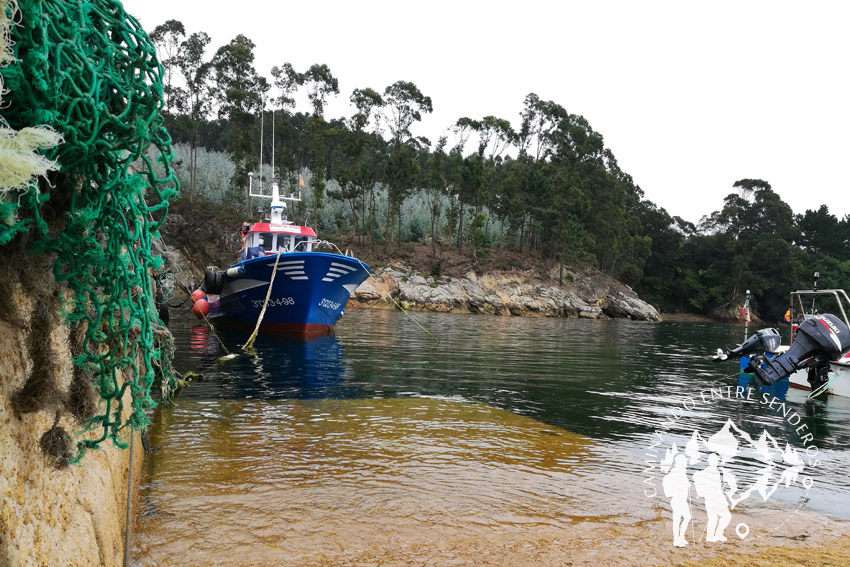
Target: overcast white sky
{"x": 690, "y": 96}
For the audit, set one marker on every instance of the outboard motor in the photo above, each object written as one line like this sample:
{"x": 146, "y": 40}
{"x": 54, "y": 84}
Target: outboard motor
{"x": 764, "y": 340}
{"x": 819, "y": 339}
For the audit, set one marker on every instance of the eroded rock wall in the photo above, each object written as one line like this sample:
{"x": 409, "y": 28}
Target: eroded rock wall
{"x": 510, "y": 293}
{"x": 51, "y": 513}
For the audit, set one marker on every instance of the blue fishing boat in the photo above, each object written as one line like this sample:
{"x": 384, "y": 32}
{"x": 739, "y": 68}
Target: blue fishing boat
{"x": 285, "y": 278}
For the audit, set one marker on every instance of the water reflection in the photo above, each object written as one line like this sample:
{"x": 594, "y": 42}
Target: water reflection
{"x": 607, "y": 380}
{"x": 281, "y": 367}
{"x": 778, "y": 390}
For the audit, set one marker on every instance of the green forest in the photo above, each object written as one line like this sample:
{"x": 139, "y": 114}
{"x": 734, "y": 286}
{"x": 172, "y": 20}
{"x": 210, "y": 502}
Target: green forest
{"x": 543, "y": 184}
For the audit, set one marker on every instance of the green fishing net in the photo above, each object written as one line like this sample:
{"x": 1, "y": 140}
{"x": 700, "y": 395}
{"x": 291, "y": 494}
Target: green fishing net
{"x": 88, "y": 71}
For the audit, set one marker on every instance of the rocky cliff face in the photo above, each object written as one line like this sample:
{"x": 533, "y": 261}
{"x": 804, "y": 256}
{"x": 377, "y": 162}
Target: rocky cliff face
{"x": 582, "y": 295}
{"x": 51, "y": 513}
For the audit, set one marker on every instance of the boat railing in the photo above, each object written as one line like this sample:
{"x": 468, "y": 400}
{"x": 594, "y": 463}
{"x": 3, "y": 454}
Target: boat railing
{"x": 320, "y": 244}
{"x": 839, "y": 295}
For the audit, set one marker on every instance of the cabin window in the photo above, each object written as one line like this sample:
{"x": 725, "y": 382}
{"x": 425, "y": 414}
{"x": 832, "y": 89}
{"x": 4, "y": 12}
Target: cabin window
{"x": 302, "y": 247}
{"x": 266, "y": 241}
{"x": 283, "y": 242}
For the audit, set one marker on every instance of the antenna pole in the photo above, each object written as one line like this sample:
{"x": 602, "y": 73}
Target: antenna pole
{"x": 262, "y": 116}
{"x": 272, "y": 143}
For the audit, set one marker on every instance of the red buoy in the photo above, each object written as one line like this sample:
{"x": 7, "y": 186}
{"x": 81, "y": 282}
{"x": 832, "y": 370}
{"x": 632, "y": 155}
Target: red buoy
{"x": 198, "y": 294}
{"x": 201, "y": 307}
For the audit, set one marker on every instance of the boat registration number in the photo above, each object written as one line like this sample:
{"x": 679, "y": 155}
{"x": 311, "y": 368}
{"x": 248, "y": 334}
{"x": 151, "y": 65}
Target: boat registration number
{"x": 328, "y": 304}
{"x": 276, "y": 302}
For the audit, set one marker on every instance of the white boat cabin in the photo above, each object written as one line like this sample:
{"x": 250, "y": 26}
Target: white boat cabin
{"x": 269, "y": 238}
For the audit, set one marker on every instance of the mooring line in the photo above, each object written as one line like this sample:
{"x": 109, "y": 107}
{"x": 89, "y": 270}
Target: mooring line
{"x": 129, "y": 517}
{"x": 730, "y": 375}
{"x": 823, "y": 387}
{"x": 212, "y": 330}
{"x": 249, "y": 346}
{"x": 390, "y": 297}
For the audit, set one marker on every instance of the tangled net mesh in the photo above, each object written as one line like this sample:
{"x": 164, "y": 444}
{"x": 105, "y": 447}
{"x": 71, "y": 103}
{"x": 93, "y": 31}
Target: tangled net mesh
{"x": 88, "y": 71}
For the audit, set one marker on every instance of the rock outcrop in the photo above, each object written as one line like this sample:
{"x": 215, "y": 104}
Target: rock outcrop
{"x": 588, "y": 295}
{"x": 51, "y": 513}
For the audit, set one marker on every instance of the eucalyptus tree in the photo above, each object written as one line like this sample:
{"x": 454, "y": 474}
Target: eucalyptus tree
{"x": 403, "y": 105}
{"x": 471, "y": 187}
{"x": 359, "y": 166}
{"x": 434, "y": 181}
{"x": 495, "y": 136}
{"x": 454, "y": 213}
{"x": 239, "y": 92}
{"x": 667, "y": 279}
{"x": 539, "y": 120}
{"x": 462, "y": 129}
{"x": 197, "y": 102}
{"x": 508, "y": 205}
{"x": 320, "y": 83}
{"x": 166, "y": 38}
{"x": 587, "y": 191}
{"x": 359, "y": 163}
{"x": 613, "y": 212}
{"x": 401, "y": 175}
{"x": 319, "y": 136}
{"x": 368, "y": 103}
{"x": 535, "y": 141}
{"x": 286, "y": 81}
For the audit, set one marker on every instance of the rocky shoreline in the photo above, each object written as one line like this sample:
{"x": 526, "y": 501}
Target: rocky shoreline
{"x": 581, "y": 295}
{"x": 535, "y": 292}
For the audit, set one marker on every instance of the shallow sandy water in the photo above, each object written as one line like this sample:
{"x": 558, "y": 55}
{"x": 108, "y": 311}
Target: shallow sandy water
{"x": 415, "y": 481}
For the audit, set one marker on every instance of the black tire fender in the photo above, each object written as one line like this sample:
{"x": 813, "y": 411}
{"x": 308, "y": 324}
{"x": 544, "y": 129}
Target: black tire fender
{"x": 213, "y": 281}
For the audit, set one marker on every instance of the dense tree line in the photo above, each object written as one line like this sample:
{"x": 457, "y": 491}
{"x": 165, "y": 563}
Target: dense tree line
{"x": 548, "y": 186}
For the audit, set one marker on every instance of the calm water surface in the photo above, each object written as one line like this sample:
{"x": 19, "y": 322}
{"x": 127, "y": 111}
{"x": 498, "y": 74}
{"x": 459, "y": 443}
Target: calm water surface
{"x": 377, "y": 444}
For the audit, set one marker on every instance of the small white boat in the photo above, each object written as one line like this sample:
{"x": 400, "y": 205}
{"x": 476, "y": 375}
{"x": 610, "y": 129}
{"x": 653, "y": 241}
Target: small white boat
{"x": 805, "y": 304}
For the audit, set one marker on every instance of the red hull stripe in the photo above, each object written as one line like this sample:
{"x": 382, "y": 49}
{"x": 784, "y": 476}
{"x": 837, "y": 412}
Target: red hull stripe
{"x": 291, "y": 329}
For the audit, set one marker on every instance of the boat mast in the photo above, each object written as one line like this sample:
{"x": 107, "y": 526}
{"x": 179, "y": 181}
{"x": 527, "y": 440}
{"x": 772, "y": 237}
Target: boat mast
{"x": 278, "y": 205}
{"x": 262, "y": 116}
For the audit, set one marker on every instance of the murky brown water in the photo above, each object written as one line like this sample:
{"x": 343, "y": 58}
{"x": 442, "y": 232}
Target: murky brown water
{"x": 376, "y": 465}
